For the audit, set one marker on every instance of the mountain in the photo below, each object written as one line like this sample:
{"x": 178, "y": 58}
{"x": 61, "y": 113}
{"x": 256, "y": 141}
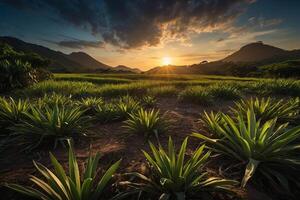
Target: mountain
{"x": 86, "y": 60}
{"x": 244, "y": 62}
{"x": 260, "y": 52}
{"x": 59, "y": 61}
{"x": 75, "y": 62}
{"x": 123, "y": 68}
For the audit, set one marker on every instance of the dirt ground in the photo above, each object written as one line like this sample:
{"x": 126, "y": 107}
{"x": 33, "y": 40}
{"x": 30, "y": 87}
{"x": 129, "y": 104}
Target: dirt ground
{"x": 113, "y": 143}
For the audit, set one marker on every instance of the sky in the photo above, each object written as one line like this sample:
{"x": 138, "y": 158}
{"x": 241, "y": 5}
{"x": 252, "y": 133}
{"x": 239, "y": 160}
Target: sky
{"x": 149, "y": 33}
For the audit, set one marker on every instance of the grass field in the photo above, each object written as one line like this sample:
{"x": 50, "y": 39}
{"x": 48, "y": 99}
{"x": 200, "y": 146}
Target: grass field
{"x": 243, "y": 136}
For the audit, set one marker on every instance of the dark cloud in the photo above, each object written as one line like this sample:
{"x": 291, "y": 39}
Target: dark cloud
{"x": 78, "y": 44}
{"x": 138, "y": 23}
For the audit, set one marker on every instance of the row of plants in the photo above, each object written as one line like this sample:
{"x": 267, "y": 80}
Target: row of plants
{"x": 55, "y": 117}
{"x": 81, "y": 89}
{"x": 171, "y": 176}
{"x": 207, "y": 95}
{"x": 204, "y": 92}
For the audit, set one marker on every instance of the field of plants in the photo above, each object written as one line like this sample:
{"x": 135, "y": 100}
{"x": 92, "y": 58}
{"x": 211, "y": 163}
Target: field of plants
{"x": 139, "y": 136}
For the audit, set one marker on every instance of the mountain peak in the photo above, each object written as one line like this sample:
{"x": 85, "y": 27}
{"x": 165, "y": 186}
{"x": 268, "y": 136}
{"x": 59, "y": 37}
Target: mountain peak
{"x": 87, "y": 60}
{"x": 60, "y": 62}
{"x": 256, "y": 52}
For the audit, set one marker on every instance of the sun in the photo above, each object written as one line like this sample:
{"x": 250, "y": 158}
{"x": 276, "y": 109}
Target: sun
{"x": 166, "y": 60}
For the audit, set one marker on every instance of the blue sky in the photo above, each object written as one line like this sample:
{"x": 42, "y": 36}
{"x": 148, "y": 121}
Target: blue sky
{"x": 140, "y": 33}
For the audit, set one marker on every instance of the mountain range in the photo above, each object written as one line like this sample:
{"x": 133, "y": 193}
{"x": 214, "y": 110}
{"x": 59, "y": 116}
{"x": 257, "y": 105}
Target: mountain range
{"x": 253, "y": 58}
{"x": 248, "y": 60}
{"x": 75, "y": 62}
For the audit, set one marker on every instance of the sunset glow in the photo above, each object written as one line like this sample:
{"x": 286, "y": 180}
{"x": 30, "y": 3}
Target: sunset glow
{"x": 195, "y": 31}
{"x": 166, "y": 60}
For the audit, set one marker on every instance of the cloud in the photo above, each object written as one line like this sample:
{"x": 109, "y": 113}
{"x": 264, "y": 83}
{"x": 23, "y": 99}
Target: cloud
{"x": 263, "y": 22}
{"x": 78, "y": 44}
{"x": 136, "y": 23}
{"x": 254, "y": 27}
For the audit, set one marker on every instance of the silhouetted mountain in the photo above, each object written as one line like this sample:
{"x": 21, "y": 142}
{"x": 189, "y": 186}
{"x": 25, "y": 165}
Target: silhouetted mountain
{"x": 260, "y": 52}
{"x": 123, "y": 68}
{"x": 243, "y": 62}
{"x": 60, "y": 62}
{"x": 86, "y": 60}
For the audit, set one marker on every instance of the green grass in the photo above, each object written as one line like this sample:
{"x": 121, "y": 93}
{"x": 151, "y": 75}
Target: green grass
{"x": 196, "y": 94}
{"x": 59, "y": 87}
{"x": 207, "y": 95}
{"x": 277, "y": 87}
{"x": 163, "y": 91}
{"x": 224, "y": 91}
{"x": 94, "y": 80}
{"x": 116, "y": 85}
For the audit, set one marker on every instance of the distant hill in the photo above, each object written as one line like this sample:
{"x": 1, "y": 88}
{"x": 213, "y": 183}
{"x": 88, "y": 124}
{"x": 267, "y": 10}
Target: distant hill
{"x": 60, "y": 62}
{"x": 244, "y": 62}
{"x": 260, "y": 52}
{"x": 123, "y": 68}
{"x": 170, "y": 69}
{"x": 86, "y": 60}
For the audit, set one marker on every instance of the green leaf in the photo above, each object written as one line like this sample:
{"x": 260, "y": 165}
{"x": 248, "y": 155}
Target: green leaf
{"x": 250, "y": 170}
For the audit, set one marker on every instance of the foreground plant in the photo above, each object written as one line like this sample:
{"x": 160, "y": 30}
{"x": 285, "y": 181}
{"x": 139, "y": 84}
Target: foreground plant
{"x": 89, "y": 104}
{"x": 11, "y": 111}
{"x": 163, "y": 91}
{"x": 267, "y": 109}
{"x": 107, "y": 113}
{"x": 57, "y": 185}
{"x": 51, "y": 124}
{"x": 127, "y": 105}
{"x": 211, "y": 120}
{"x": 174, "y": 177}
{"x": 224, "y": 91}
{"x": 196, "y": 94}
{"x": 268, "y": 149}
{"x": 53, "y": 100}
{"x": 146, "y": 122}
{"x": 277, "y": 87}
{"x": 148, "y": 101}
